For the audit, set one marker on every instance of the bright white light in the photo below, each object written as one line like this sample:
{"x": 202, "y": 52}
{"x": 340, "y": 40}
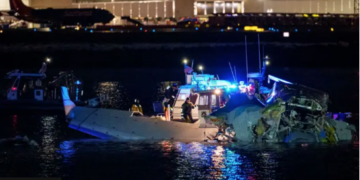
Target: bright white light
{"x": 267, "y": 63}
{"x": 217, "y": 91}
{"x": 228, "y": 4}
{"x": 198, "y": 4}
{"x": 48, "y": 59}
{"x": 235, "y": 4}
{"x": 286, "y": 34}
{"x": 185, "y": 61}
{"x": 200, "y": 67}
{"x": 183, "y": 97}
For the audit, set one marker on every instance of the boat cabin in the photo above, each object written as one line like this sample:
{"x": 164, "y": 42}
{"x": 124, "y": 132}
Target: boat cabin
{"x": 27, "y": 86}
{"x": 205, "y": 91}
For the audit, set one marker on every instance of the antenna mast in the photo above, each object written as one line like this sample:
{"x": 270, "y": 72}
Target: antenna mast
{"x": 232, "y": 72}
{"x": 259, "y": 53}
{"x": 246, "y": 58}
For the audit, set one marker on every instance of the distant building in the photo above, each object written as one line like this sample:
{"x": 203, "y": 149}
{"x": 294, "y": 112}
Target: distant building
{"x": 43, "y": 4}
{"x": 181, "y": 8}
{"x": 153, "y": 9}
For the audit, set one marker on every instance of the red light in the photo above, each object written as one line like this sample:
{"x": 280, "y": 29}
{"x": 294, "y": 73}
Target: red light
{"x": 145, "y": 30}
{"x": 13, "y": 88}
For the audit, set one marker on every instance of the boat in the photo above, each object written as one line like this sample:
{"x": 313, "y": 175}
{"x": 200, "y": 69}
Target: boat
{"x": 224, "y": 111}
{"x": 204, "y": 90}
{"x": 30, "y": 92}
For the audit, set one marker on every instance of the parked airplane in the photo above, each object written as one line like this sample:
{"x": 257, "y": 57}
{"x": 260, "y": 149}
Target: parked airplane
{"x": 60, "y": 17}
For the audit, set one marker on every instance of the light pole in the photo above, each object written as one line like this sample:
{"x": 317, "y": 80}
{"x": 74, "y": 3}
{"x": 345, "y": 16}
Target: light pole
{"x": 201, "y": 69}
{"x": 185, "y": 63}
{"x": 267, "y": 62}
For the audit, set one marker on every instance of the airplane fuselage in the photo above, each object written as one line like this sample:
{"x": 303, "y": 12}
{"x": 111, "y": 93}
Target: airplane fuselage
{"x": 67, "y": 16}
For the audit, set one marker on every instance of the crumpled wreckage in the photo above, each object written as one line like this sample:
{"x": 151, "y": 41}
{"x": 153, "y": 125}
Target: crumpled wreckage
{"x": 286, "y": 113}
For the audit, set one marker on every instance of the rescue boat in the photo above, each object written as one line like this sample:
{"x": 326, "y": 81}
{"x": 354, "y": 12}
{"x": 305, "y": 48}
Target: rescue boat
{"x": 204, "y": 91}
{"x": 31, "y": 92}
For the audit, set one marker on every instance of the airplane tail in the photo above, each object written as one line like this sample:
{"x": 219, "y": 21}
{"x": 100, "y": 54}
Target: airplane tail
{"x": 19, "y": 7}
{"x": 68, "y": 104}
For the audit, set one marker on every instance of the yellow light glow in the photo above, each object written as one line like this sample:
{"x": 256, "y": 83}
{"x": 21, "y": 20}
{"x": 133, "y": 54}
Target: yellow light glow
{"x": 315, "y": 15}
{"x": 332, "y": 29}
{"x": 217, "y": 91}
{"x": 207, "y": 25}
{"x": 250, "y": 28}
{"x": 267, "y": 63}
{"x": 305, "y": 15}
{"x": 260, "y": 30}
{"x": 200, "y": 67}
{"x": 185, "y": 61}
{"x": 48, "y": 59}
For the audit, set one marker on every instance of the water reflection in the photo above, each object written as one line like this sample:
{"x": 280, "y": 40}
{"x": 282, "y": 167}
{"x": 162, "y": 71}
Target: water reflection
{"x": 67, "y": 150}
{"x": 15, "y": 125}
{"x": 112, "y": 95}
{"x": 103, "y": 159}
{"x": 208, "y": 161}
{"x": 48, "y": 146}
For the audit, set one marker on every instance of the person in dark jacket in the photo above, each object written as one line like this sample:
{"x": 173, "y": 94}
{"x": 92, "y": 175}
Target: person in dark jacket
{"x": 170, "y": 94}
{"x": 186, "y": 110}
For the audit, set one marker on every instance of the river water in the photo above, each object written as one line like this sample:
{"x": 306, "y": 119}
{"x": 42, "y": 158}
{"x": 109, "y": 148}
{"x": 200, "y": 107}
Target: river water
{"x": 72, "y": 155}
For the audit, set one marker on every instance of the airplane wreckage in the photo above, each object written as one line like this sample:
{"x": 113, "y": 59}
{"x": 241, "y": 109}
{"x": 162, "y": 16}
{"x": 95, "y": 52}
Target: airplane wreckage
{"x": 286, "y": 112}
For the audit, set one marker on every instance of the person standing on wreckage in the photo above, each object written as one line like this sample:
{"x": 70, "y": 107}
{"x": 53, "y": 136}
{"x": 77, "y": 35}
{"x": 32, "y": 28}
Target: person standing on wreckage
{"x": 186, "y": 110}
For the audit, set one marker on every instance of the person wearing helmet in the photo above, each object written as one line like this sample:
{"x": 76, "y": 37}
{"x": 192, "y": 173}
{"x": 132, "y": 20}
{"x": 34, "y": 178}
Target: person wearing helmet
{"x": 170, "y": 94}
{"x": 186, "y": 110}
{"x": 136, "y": 107}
